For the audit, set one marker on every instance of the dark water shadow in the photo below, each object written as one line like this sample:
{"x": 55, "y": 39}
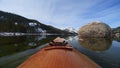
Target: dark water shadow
{"x": 14, "y": 50}
{"x": 13, "y": 45}
{"x": 95, "y": 44}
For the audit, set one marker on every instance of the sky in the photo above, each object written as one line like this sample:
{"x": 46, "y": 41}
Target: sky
{"x": 66, "y": 13}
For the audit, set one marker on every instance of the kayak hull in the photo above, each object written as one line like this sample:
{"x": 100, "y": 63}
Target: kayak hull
{"x": 58, "y": 57}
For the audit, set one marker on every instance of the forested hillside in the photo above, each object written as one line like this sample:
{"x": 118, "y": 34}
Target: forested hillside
{"x": 10, "y": 22}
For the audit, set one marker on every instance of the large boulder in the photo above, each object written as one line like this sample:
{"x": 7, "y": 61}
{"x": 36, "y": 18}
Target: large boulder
{"x": 95, "y": 29}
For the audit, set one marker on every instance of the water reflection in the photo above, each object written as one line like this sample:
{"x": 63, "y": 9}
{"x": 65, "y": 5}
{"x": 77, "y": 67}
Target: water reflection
{"x": 12, "y": 45}
{"x": 34, "y": 40}
{"x": 70, "y": 38}
{"x": 14, "y": 50}
{"x": 11, "y": 39}
{"x": 95, "y": 44}
{"x": 117, "y": 39}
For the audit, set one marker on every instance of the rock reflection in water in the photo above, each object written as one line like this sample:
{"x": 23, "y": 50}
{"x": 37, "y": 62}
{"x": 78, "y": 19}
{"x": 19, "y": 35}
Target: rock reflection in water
{"x": 95, "y": 44}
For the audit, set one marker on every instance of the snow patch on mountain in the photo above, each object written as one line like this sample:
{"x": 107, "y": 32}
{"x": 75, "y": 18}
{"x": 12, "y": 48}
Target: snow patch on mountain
{"x": 70, "y": 29}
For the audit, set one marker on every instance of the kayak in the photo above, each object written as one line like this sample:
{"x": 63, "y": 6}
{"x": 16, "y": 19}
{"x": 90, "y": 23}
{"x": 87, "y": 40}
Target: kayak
{"x": 58, "y": 54}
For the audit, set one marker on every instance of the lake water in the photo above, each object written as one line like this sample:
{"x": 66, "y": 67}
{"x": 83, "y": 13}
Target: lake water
{"x": 15, "y": 50}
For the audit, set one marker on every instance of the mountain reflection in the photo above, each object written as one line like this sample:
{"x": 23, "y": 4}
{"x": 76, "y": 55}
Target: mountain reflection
{"x": 14, "y": 45}
{"x": 95, "y": 44}
{"x": 116, "y": 39}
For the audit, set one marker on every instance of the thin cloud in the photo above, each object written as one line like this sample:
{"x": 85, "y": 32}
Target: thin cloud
{"x": 102, "y": 9}
{"x": 64, "y": 13}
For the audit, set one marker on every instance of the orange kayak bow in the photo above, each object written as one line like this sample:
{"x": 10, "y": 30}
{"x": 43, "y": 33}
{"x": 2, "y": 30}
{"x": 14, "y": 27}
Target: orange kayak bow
{"x": 58, "y": 54}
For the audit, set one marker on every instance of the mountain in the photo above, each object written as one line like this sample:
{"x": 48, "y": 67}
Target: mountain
{"x": 10, "y": 22}
{"x": 70, "y": 29}
{"x": 116, "y": 32}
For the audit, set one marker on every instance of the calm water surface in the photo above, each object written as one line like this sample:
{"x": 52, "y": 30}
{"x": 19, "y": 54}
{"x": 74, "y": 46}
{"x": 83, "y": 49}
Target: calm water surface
{"x": 15, "y": 50}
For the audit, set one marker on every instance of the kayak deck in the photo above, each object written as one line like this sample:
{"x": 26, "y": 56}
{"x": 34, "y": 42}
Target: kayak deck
{"x": 58, "y": 57}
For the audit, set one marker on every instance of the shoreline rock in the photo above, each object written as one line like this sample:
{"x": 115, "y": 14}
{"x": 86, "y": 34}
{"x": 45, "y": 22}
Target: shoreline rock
{"x": 95, "y": 29}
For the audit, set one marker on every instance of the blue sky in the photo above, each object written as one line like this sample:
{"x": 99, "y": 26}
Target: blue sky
{"x": 66, "y": 13}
